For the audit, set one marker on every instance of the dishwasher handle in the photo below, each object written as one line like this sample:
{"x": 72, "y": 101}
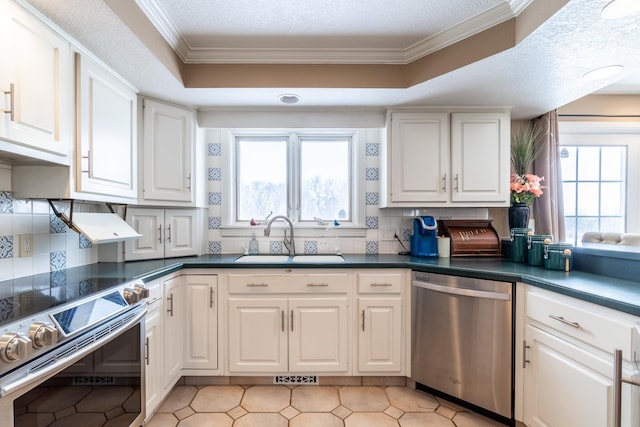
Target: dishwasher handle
{"x": 462, "y": 291}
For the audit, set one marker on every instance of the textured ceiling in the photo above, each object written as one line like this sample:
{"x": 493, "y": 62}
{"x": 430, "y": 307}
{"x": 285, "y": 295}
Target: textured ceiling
{"x": 540, "y": 73}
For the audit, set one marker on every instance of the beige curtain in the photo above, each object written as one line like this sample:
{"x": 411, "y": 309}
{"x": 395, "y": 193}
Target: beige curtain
{"x": 548, "y": 209}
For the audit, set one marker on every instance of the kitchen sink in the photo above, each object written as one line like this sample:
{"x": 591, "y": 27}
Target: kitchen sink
{"x": 262, "y": 258}
{"x": 317, "y": 258}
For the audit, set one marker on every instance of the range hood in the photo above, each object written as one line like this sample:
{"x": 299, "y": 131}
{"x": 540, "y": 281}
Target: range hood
{"x": 98, "y": 227}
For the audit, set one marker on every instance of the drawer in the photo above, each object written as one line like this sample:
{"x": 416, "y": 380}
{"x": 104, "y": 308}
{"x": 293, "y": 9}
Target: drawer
{"x": 289, "y": 283}
{"x": 155, "y": 294}
{"x": 380, "y": 283}
{"x": 597, "y": 326}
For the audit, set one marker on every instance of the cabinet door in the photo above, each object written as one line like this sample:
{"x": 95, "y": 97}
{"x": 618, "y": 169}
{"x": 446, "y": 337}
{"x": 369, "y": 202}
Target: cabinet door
{"x": 154, "y": 355}
{"x": 201, "y": 348}
{"x": 380, "y": 334}
{"x": 174, "y": 312}
{"x": 107, "y": 132}
{"x": 181, "y": 232}
{"x": 564, "y": 385}
{"x": 168, "y": 152}
{"x": 36, "y": 62}
{"x": 149, "y": 223}
{"x": 318, "y": 334}
{"x": 257, "y": 335}
{"x": 419, "y": 158}
{"x": 480, "y": 157}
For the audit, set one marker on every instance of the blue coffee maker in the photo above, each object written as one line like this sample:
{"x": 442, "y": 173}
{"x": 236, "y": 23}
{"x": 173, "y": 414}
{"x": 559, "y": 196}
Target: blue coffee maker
{"x": 424, "y": 242}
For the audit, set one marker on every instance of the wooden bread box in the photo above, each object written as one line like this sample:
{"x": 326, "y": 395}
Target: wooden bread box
{"x": 471, "y": 237}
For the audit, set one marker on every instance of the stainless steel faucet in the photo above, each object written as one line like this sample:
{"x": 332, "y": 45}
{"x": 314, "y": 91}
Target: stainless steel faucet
{"x": 288, "y": 241}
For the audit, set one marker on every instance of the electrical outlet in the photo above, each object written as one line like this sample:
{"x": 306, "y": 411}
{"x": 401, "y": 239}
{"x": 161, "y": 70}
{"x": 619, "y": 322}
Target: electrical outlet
{"x": 388, "y": 234}
{"x": 26, "y": 245}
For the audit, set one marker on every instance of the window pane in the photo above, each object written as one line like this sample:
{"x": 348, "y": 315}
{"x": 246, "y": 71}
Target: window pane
{"x": 588, "y": 198}
{"x": 613, "y": 163}
{"x": 588, "y": 163}
{"x": 569, "y": 198}
{"x": 568, "y": 163}
{"x": 325, "y": 180}
{"x": 613, "y": 225}
{"x": 570, "y": 228}
{"x": 612, "y": 203}
{"x": 587, "y": 224}
{"x": 261, "y": 179}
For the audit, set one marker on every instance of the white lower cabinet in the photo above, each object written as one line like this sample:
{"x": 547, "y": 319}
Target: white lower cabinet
{"x": 201, "y": 346}
{"x": 153, "y": 351}
{"x": 173, "y": 325}
{"x": 380, "y": 335}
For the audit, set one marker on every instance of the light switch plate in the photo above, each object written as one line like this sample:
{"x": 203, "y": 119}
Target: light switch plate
{"x": 26, "y": 245}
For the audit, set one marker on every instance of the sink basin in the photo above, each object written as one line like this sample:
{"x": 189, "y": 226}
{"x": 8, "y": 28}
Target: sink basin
{"x": 317, "y": 258}
{"x": 262, "y": 258}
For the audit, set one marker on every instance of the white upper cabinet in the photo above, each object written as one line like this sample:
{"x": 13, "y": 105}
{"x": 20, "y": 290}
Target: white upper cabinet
{"x": 435, "y": 159}
{"x": 169, "y": 147}
{"x": 35, "y": 88}
{"x": 106, "y": 155}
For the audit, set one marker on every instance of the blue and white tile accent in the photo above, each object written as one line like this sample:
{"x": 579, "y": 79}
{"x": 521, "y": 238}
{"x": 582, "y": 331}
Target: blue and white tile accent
{"x": 56, "y": 225}
{"x": 6, "y": 247}
{"x": 371, "y": 174}
{"x": 215, "y": 247}
{"x": 371, "y": 247}
{"x": 372, "y": 222}
{"x": 371, "y": 199}
{"x": 58, "y": 260}
{"x": 215, "y": 174}
{"x": 214, "y": 222}
{"x": 406, "y": 234}
{"x": 84, "y": 243}
{"x": 215, "y": 149}
{"x": 372, "y": 149}
{"x": 215, "y": 198}
{"x": 310, "y": 246}
{"x": 276, "y": 247}
{"x": 6, "y": 202}
{"x": 6, "y": 309}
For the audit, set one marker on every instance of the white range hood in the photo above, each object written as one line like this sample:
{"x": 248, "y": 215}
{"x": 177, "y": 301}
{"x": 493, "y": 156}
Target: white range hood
{"x": 101, "y": 227}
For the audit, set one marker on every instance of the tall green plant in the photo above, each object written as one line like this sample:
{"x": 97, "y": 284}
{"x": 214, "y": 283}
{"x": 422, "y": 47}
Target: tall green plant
{"x": 525, "y": 146}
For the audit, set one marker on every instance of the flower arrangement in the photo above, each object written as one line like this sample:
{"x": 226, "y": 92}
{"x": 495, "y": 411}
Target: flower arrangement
{"x": 525, "y": 187}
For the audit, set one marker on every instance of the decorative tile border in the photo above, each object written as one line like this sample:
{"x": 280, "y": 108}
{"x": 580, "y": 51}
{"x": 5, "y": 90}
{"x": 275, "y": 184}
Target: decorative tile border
{"x": 6, "y": 202}
{"x": 56, "y": 226}
{"x": 371, "y": 247}
{"x": 58, "y": 260}
{"x": 371, "y": 174}
{"x": 371, "y": 199}
{"x": 311, "y": 247}
{"x": 372, "y": 149}
{"x": 276, "y": 247}
{"x": 215, "y": 198}
{"x": 215, "y": 174}
{"x": 372, "y": 222}
{"x": 214, "y": 222}
{"x": 214, "y": 149}
{"x": 215, "y": 247}
{"x": 6, "y": 247}
{"x": 84, "y": 243}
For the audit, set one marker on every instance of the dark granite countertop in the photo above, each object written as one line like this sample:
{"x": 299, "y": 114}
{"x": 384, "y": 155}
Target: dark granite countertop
{"x": 619, "y": 294}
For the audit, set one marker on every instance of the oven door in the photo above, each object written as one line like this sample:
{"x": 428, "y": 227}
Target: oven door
{"x": 92, "y": 379}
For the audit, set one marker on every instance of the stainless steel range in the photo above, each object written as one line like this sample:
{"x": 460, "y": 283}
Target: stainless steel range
{"x": 77, "y": 361}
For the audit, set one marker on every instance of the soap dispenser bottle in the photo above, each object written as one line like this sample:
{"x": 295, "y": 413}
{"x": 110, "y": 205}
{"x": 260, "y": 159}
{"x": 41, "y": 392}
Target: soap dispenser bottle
{"x": 253, "y": 245}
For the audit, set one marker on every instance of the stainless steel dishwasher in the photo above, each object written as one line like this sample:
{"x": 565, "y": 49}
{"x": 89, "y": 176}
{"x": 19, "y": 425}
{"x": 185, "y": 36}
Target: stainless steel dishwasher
{"x": 462, "y": 340}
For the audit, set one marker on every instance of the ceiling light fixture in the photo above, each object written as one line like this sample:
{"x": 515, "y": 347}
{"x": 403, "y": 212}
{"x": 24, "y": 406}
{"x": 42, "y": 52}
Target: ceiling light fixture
{"x": 602, "y": 72}
{"x": 289, "y": 98}
{"x": 620, "y": 8}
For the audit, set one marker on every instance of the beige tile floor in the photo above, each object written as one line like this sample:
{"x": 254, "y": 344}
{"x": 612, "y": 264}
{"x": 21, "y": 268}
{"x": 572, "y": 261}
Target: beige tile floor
{"x": 310, "y": 406}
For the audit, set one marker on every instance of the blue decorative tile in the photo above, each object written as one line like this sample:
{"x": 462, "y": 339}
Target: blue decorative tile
{"x": 214, "y": 222}
{"x": 406, "y": 234}
{"x": 58, "y": 260}
{"x": 310, "y": 247}
{"x": 215, "y": 198}
{"x": 275, "y": 247}
{"x": 215, "y": 174}
{"x": 371, "y": 199}
{"x": 371, "y": 174}
{"x": 373, "y": 149}
{"x": 371, "y": 247}
{"x": 6, "y": 246}
{"x": 84, "y": 243}
{"x": 56, "y": 226}
{"x": 6, "y": 309}
{"x": 6, "y": 202}
{"x": 215, "y": 247}
{"x": 215, "y": 149}
{"x": 372, "y": 222}
{"x": 57, "y": 278}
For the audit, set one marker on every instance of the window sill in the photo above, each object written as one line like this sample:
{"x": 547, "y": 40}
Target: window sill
{"x": 277, "y": 230}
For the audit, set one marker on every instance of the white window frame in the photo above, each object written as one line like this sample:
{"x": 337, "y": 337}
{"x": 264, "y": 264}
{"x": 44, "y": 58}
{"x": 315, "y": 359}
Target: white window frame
{"x": 625, "y": 134}
{"x": 355, "y": 228}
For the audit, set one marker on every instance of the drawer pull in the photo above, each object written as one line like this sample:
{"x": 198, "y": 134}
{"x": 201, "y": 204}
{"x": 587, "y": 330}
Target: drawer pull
{"x": 12, "y": 109}
{"x": 257, "y": 285}
{"x": 381, "y": 284}
{"x": 318, "y": 285}
{"x": 565, "y": 321}
{"x": 153, "y": 301}
{"x": 617, "y": 387}
{"x": 170, "y": 309}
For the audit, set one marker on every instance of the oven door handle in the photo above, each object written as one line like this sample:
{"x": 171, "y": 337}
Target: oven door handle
{"x": 462, "y": 291}
{"x": 63, "y": 363}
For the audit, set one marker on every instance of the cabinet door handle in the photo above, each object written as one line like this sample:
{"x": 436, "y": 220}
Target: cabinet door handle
{"x": 257, "y": 285}
{"x": 11, "y": 111}
{"x": 211, "y": 297}
{"x": 444, "y": 182}
{"x": 88, "y": 157}
{"x": 565, "y": 321}
{"x": 362, "y": 320}
{"x": 456, "y": 179}
{"x": 160, "y": 233}
{"x": 169, "y": 233}
{"x": 317, "y": 285}
{"x": 617, "y": 387}
{"x": 170, "y": 310}
{"x": 282, "y": 319}
{"x": 525, "y": 347}
{"x": 291, "y": 320}
{"x": 189, "y": 182}
{"x": 381, "y": 284}
{"x": 146, "y": 350}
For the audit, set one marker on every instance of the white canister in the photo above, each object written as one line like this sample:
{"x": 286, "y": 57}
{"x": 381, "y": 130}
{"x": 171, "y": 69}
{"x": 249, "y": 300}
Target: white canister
{"x": 444, "y": 246}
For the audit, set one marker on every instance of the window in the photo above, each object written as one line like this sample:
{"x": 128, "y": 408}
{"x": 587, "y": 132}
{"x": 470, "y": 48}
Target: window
{"x": 599, "y": 177}
{"x": 305, "y": 176}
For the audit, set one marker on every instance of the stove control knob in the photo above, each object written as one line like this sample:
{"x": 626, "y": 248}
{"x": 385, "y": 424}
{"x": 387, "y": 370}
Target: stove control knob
{"x": 14, "y": 346}
{"x": 42, "y": 333}
{"x": 142, "y": 290}
{"x": 131, "y": 295}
